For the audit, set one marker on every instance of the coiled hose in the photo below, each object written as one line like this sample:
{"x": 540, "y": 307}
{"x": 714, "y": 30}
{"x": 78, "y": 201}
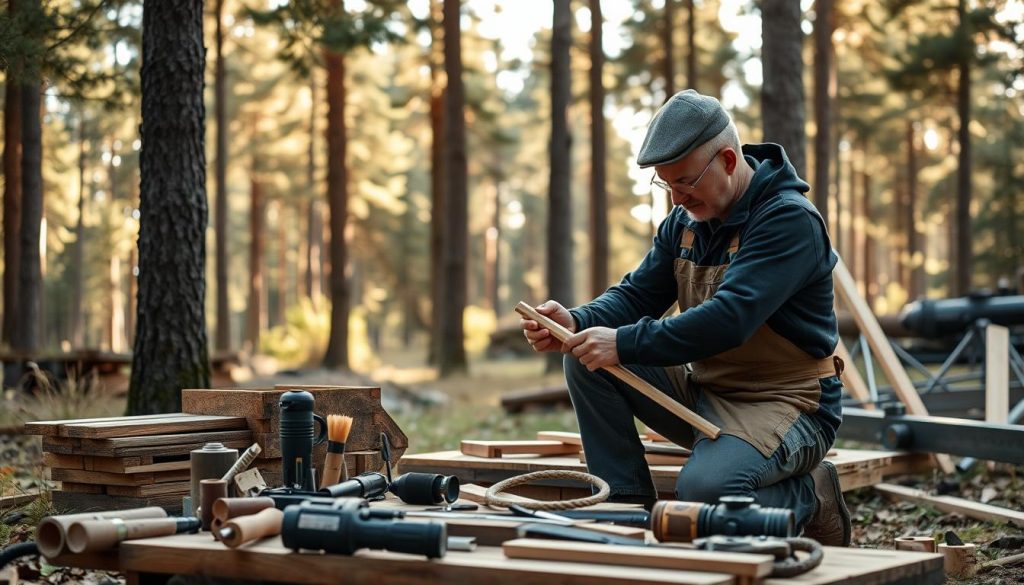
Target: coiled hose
{"x": 16, "y": 551}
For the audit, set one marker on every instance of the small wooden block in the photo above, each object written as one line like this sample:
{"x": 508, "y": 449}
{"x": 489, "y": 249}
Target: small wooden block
{"x": 58, "y": 461}
{"x": 180, "y": 488}
{"x": 959, "y": 560}
{"x": 567, "y": 438}
{"x": 915, "y": 543}
{"x": 250, "y": 482}
{"x": 653, "y": 435}
{"x": 495, "y": 449}
{"x": 81, "y": 488}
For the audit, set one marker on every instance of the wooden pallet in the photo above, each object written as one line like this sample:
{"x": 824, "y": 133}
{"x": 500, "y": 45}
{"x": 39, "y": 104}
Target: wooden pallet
{"x": 857, "y": 468}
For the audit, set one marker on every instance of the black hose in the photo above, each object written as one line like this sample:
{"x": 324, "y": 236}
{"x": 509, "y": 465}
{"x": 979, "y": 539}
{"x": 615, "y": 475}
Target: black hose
{"x": 22, "y": 549}
{"x": 793, "y": 566}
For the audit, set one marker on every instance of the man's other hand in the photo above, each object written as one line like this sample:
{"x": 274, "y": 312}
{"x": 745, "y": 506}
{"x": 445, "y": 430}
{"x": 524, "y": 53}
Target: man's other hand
{"x": 539, "y": 337}
{"x": 594, "y": 347}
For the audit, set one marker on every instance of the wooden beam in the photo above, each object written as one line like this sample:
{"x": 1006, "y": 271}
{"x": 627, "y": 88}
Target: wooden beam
{"x": 752, "y": 566}
{"x": 894, "y": 371}
{"x": 500, "y": 448}
{"x": 851, "y": 378}
{"x": 639, "y": 384}
{"x": 975, "y": 510}
{"x": 997, "y": 374}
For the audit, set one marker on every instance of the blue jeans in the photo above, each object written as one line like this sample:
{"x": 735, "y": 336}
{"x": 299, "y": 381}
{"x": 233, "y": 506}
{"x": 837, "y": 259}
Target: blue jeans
{"x": 605, "y": 408}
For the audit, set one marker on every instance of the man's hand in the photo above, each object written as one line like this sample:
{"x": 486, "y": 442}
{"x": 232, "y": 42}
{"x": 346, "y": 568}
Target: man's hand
{"x": 594, "y": 347}
{"x": 539, "y": 337}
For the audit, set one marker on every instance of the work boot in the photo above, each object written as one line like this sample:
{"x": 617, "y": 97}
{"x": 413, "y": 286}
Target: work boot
{"x": 830, "y": 525}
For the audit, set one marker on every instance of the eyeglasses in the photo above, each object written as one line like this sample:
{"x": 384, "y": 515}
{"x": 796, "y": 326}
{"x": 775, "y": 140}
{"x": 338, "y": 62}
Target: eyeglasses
{"x": 680, "y": 186}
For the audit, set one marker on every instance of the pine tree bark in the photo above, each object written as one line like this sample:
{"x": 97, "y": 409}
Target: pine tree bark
{"x": 170, "y": 343}
{"x": 77, "y": 323}
{"x": 26, "y": 335}
{"x": 598, "y": 155}
{"x": 336, "y": 355}
{"x": 915, "y": 264}
{"x": 12, "y": 201}
{"x": 964, "y": 255}
{"x": 255, "y": 322}
{"x": 452, "y": 350}
{"x": 668, "y": 64}
{"x": 824, "y": 91}
{"x": 435, "y": 57}
{"x": 223, "y": 331}
{"x": 782, "y": 94}
{"x": 691, "y": 45}
{"x": 559, "y": 259}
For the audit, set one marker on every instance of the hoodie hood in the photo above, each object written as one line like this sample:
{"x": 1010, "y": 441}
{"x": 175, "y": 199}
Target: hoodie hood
{"x": 773, "y": 173}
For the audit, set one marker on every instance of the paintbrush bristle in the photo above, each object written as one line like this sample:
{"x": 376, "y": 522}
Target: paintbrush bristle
{"x": 338, "y": 427}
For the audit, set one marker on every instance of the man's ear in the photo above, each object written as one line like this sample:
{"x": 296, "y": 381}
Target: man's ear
{"x": 730, "y": 159}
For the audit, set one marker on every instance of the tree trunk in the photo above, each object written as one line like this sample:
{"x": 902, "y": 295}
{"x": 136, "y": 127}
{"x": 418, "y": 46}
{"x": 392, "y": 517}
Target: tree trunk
{"x": 559, "y": 259}
{"x": 691, "y": 45}
{"x": 824, "y": 90}
{"x": 170, "y": 341}
{"x": 282, "y": 264}
{"x": 668, "y": 30}
{"x": 336, "y": 355}
{"x": 116, "y": 315}
{"x": 12, "y": 202}
{"x": 598, "y": 150}
{"x": 915, "y": 266}
{"x": 255, "y": 322}
{"x": 437, "y": 100}
{"x": 870, "y": 263}
{"x": 312, "y": 213}
{"x": 782, "y": 95}
{"x": 452, "y": 350}
{"x": 964, "y": 256}
{"x": 223, "y": 330}
{"x": 77, "y": 324}
{"x": 27, "y": 333}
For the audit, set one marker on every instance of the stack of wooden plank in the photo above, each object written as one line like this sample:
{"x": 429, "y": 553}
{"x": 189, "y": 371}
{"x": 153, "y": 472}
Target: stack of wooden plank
{"x": 259, "y": 409}
{"x": 121, "y": 462}
{"x": 488, "y": 462}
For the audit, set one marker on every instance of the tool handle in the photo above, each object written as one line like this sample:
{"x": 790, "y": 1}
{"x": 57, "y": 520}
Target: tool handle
{"x": 636, "y": 382}
{"x": 249, "y": 528}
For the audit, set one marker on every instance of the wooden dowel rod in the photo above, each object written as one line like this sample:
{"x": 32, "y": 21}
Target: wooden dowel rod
{"x": 636, "y": 382}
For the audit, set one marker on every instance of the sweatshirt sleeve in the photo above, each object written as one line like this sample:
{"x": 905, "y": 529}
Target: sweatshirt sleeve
{"x": 780, "y": 253}
{"x": 648, "y": 291}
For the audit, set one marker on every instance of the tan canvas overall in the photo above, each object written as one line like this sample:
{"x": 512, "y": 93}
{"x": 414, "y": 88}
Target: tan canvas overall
{"x": 755, "y": 391}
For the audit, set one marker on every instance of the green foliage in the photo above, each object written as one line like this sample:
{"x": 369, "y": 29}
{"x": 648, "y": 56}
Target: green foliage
{"x": 303, "y": 25}
{"x": 302, "y": 340}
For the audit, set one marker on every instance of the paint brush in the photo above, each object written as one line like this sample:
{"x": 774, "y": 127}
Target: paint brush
{"x": 338, "y": 428}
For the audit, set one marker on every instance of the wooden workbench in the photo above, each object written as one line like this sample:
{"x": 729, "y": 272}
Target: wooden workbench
{"x": 857, "y": 468}
{"x": 268, "y": 560}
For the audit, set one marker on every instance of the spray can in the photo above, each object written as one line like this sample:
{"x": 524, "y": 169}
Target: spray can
{"x": 210, "y": 462}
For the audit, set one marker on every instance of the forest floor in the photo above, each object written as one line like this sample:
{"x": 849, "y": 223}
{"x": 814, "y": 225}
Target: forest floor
{"x": 435, "y": 414}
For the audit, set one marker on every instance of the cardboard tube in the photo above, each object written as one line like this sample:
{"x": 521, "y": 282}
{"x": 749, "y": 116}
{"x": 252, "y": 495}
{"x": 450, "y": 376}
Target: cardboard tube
{"x": 225, "y": 509}
{"x": 245, "y": 529}
{"x": 51, "y": 536}
{"x": 209, "y": 491}
{"x": 916, "y": 543}
{"x": 959, "y": 560}
{"x": 100, "y": 535}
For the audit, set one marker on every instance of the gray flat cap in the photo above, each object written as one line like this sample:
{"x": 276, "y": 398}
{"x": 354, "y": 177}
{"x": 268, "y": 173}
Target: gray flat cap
{"x": 686, "y": 121}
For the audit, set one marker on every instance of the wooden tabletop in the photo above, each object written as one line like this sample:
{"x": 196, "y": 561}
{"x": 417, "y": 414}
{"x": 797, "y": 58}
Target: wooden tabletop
{"x": 199, "y": 554}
